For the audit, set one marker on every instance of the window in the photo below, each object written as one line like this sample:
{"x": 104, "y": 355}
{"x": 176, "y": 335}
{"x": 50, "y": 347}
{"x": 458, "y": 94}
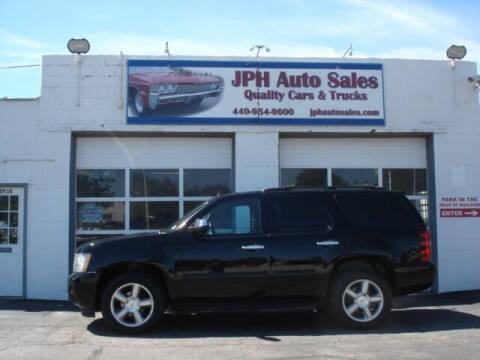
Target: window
{"x": 109, "y": 215}
{"x": 303, "y": 177}
{"x": 241, "y": 216}
{"x": 8, "y": 219}
{"x": 412, "y": 182}
{"x": 207, "y": 182}
{"x": 354, "y": 177}
{"x": 152, "y": 214}
{"x": 375, "y": 211}
{"x": 300, "y": 214}
{"x": 145, "y": 183}
{"x": 100, "y": 183}
{"x": 122, "y": 201}
{"x": 408, "y": 181}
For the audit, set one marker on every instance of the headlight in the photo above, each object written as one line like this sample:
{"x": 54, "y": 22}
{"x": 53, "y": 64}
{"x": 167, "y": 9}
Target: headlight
{"x": 213, "y": 86}
{"x": 154, "y": 88}
{"x": 80, "y": 262}
{"x": 171, "y": 88}
{"x": 161, "y": 88}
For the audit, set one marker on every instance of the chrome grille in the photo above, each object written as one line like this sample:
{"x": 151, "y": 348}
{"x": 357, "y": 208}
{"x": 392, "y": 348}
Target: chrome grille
{"x": 188, "y": 89}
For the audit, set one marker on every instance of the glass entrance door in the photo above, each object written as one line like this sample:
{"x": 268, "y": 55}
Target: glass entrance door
{"x": 11, "y": 241}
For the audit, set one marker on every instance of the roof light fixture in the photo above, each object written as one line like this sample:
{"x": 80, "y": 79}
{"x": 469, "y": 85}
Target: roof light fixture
{"x": 456, "y": 52}
{"x": 78, "y": 46}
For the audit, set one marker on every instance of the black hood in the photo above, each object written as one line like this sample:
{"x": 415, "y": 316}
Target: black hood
{"x": 123, "y": 240}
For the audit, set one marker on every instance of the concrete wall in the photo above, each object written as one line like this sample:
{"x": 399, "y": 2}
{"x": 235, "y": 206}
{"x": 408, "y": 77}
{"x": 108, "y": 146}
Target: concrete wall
{"x": 31, "y": 154}
{"x": 89, "y": 94}
{"x": 457, "y": 168}
{"x": 256, "y": 160}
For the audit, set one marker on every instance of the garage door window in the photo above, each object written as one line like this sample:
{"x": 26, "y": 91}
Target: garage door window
{"x": 121, "y": 201}
{"x": 408, "y": 181}
{"x": 151, "y": 182}
{"x": 413, "y": 183}
{"x": 152, "y": 214}
{"x": 207, "y": 182}
{"x": 100, "y": 183}
{"x": 303, "y": 177}
{"x": 354, "y": 177}
{"x": 108, "y": 215}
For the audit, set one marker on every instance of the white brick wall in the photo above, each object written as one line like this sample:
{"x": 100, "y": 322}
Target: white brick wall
{"x": 40, "y": 158}
{"x": 35, "y": 144}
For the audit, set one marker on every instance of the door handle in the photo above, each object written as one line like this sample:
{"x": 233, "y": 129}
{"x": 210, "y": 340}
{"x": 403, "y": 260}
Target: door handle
{"x": 327, "y": 243}
{"x": 253, "y": 247}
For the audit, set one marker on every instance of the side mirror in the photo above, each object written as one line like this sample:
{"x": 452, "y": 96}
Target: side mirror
{"x": 199, "y": 227}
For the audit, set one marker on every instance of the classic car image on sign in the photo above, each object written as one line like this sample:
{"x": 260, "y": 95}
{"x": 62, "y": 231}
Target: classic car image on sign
{"x": 152, "y": 87}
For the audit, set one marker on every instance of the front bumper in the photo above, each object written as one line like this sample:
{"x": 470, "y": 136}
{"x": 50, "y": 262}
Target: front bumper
{"x": 414, "y": 277}
{"x": 82, "y": 290}
{"x": 155, "y": 99}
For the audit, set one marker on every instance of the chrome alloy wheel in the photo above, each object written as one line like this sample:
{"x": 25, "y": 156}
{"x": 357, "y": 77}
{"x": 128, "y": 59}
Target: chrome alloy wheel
{"x": 132, "y": 305}
{"x": 362, "y": 300}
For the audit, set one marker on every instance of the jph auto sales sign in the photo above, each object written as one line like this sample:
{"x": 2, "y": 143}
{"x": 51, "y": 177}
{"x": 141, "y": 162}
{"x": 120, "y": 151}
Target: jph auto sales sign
{"x": 230, "y": 92}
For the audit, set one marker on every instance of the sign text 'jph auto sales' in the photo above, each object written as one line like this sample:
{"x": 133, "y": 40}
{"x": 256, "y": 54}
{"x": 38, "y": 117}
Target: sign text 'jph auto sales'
{"x": 225, "y": 92}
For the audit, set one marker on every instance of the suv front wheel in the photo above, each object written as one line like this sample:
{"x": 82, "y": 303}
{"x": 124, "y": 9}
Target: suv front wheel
{"x": 132, "y": 303}
{"x": 360, "y": 299}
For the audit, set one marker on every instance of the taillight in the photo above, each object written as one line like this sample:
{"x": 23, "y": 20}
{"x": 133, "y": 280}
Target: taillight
{"x": 426, "y": 244}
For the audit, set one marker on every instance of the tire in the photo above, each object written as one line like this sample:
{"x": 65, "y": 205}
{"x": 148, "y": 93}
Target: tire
{"x": 124, "y": 312}
{"x": 356, "y": 308}
{"x": 138, "y": 104}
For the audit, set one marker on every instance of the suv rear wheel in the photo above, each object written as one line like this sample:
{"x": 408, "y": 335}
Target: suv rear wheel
{"x": 360, "y": 299}
{"x": 132, "y": 303}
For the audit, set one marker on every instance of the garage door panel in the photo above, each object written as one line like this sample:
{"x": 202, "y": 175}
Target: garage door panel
{"x": 102, "y": 152}
{"x": 353, "y": 153}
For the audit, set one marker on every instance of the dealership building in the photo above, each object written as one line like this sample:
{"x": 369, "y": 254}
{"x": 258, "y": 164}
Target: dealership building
{"x": 122, "y": 144}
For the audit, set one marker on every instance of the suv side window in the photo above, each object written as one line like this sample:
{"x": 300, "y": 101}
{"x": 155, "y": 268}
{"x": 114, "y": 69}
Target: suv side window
{"x": 239, "y": 216}
{"x": 300, "y": 213}
{"x": 375, "y": 211}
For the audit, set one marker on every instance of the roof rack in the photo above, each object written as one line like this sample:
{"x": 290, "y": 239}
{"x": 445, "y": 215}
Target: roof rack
{"x": 322, "y": 188}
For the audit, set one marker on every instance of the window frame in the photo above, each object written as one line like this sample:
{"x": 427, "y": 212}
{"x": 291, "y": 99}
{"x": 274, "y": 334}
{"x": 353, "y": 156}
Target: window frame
{"x": 326, "y": 202}
{"x": 281, "y": 176}
{"x": 212, "y": 207}
{"x": 378, "y": 170}
{"x": 128, "y": 199}
{"x": 99, "y": 169}
{"x": 130, "y": 171}
{"x": 8, "y": 227}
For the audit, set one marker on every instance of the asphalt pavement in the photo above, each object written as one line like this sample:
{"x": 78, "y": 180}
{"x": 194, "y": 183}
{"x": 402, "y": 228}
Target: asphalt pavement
{"x": 427, "y": 326}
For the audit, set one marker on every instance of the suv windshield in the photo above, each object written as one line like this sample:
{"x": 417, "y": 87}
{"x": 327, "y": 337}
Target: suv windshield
{"x": 177, "y": 224}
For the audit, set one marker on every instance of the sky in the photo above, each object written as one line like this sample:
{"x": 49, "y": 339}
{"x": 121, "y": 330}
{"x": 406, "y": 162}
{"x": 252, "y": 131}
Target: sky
{"x": 290, "y": 28}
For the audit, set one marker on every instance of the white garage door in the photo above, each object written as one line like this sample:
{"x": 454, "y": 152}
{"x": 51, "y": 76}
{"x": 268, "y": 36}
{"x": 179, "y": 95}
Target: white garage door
{"x": 347, "y": 152}
{"x": 393, "y": 163}
{"x": 129, "y": 185}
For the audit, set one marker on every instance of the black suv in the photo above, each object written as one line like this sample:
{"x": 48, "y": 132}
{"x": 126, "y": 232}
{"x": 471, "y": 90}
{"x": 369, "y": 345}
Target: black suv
{"x": 265, "y": 250}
